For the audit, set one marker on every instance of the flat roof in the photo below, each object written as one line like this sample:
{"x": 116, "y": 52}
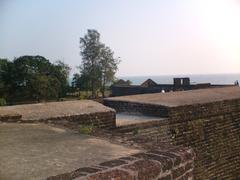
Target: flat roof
{"x": 54, "y": 109}
{"x": 180, "y": 98}
{"x": 37, "y": 151}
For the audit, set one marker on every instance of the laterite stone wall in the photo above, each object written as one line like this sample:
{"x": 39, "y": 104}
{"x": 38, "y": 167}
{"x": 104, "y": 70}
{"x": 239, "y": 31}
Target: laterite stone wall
{"x": 213, "y": 131}
{"x": 174, "y": 163}
{"x": 105, "y": 120}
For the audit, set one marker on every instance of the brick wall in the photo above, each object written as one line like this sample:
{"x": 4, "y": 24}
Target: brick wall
{"x": 9, "y": 116}
{"x": 131, "y": 90}
{"x": 174, "y": 163}
{"x": 105, "y": 120}
{"x": 98, "y": 119}
{"x": 212, "y": 130}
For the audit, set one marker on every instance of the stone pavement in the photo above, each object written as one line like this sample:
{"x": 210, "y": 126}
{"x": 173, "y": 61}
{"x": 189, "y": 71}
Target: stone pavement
{"x": 181, "y": 98}
{"x": 37, "y": 151}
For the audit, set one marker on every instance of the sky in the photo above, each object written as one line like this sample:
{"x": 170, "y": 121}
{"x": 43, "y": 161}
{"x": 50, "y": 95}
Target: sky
{"x": 152, "y": 37}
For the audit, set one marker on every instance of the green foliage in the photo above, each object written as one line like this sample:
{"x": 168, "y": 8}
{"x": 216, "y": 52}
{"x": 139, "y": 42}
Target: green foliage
{"x": 90, "y": 47}
{"x": 129, "y": 82}
{"x": 33, "y": 78}
{"x": 135, "y": 131}
{"x": 6, "y": 78}
{"x": 83, "y": 95}
{"x": 108, "y": 66}
{"x": 2, "y": 102}
{"x": 98, "y": 65}
{"x": 80, "y": 82}
{"x": 86, "y": 129}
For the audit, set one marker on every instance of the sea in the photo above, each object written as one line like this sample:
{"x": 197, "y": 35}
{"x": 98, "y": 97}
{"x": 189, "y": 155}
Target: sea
{"x": 194, "y": 78}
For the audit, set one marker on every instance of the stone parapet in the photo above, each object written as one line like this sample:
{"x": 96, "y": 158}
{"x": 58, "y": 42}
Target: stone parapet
{"x": 173, "y": 163}
{"x": 135, "y": 107}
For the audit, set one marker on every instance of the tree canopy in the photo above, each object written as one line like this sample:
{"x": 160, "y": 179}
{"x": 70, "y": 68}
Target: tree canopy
{"x": 98, "y": 66}
{"x": 32, "y": 78}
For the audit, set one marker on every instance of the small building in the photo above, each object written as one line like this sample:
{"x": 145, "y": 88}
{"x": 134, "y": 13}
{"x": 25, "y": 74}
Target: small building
{"x": 149, "y": 83}
{"x": 123, "y": 88}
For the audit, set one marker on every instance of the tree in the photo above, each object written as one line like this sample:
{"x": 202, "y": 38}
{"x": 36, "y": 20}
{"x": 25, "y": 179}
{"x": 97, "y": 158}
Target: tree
{"x": 62, "y": 71}
{"x": 33, "y": 78}
{"x": 108, "y": 66}
{"x": 98, "y": 64}
{"x": 4, "y": 77}
{"x": 80, "y": 81}
{"x": 90, "y": 47}
{"x": 7, "y": 77}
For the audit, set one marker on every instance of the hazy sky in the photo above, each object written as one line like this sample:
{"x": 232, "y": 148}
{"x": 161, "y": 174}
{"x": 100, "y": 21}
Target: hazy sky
{"x": 152, "y": 37}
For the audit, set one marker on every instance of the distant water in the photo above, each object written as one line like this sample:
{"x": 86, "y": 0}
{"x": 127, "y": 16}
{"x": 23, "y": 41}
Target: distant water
{"x": 205, "y": 78}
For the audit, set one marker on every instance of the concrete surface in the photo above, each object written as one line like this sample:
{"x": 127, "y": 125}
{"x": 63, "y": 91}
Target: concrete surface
{"x": 55, "y": 109}
{"x": 180, "y": 98}
{"x": 123, "y": 119}
{"x": 36, "y": 151}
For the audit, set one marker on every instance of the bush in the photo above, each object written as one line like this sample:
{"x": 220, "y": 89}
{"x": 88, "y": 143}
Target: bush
{"x": 86, "y": 129}
{"x": 2, "y": 102}
{"x": 83, "y": 96}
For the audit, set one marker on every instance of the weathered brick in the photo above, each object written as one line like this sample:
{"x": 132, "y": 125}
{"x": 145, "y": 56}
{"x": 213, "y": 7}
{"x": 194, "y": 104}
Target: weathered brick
{"x": 111, "y": 174}
{"x": 145, "y": 169}
{"x": 178, "y": 172}
{"x": 188, "y": 166}
{"x": 174, "y": 157}
{"x": 84, "y": 171}
{"x": 167, "y": 177}
{"x": 113, "y": 163}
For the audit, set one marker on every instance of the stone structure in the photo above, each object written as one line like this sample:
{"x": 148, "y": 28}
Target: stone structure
{"x": 174, "y": 163}
{"x": 149, "y": 83}
{"x": 68, "y": 113}
{"x": 195, "y": 134}
{"x": 35, "y": 151}
{"x": 207, "y": 120}
{"x": 170, "y": 162}
{"x": 121, "y": 88}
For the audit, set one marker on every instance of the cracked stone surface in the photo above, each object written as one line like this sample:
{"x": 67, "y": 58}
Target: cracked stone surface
{"x": 37, "y": 151}
{"x": 180, "y": 98}
{"x": 55, "y": 109}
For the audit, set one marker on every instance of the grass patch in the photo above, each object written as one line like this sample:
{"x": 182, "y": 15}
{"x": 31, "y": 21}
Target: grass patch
{"x": 86, "y": 129}
{"x": 2, "y": 102}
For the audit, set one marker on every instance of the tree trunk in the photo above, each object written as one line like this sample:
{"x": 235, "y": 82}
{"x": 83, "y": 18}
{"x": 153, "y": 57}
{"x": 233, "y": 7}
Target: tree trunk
{"x": 93, "y": 90}
{"x": 103, "y": 90}
{"x": 103, "y": 86}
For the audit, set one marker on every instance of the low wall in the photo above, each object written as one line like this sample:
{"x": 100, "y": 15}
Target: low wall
{"x": 9, "y": 116}
{"x": 98, "y": 119}
{"x": 146, "y": 109}
{"x": 137, "y": 89}
{"x": 174, "y": 163}
{"x": 211, "y": 129}
{"x": 132, "y": 90}
{"x": 105, "y": 120}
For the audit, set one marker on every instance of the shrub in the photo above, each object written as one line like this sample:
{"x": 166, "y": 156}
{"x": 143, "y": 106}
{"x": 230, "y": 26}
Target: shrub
{"x": 86, "y": 129}
{"x": 2, "y": 102}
